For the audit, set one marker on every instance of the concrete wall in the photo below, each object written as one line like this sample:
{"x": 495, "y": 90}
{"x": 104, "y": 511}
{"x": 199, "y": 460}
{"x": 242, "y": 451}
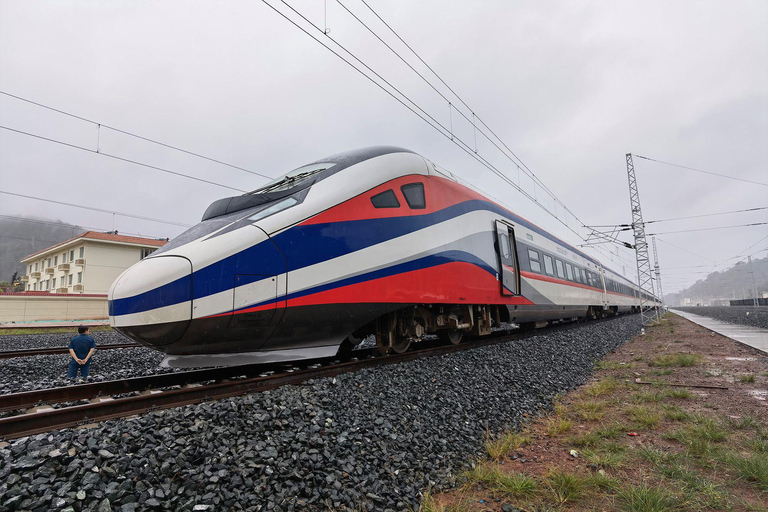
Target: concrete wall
{"x": 104, "y": 263}
{"x": 20, "y": 308}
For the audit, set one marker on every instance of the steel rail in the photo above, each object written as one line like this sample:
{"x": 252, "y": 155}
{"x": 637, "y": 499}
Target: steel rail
{"x": 8, "y": 354}
{"x": 12, "y": 427}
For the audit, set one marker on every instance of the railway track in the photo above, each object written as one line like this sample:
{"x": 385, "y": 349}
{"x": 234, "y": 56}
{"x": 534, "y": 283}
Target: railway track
{"x": 8, "y": 354}
{"x": 186, "y": 387}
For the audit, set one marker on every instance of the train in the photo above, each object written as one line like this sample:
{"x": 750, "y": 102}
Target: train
{"x": 378, "y": 241}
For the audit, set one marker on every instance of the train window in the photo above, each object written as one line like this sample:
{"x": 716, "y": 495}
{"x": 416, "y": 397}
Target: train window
{"x": 533, "y": 256}
{"x": 549, "y": 267}
{"x": 414, "y": 195}
{"x": 386, "y": 199}
{"x": 506, "y": 247}
{"x": 583, "y": 276}
{"x": 576, "y": 274}
{"x": 569, "y": 271}
{"x": 560, "y": 271}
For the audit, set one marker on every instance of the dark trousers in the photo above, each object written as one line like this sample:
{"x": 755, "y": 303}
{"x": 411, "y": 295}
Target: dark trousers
{"x": 74, "y": 367}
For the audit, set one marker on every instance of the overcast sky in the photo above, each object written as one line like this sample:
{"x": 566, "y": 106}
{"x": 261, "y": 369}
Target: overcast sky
{"x": 570, "y": 87}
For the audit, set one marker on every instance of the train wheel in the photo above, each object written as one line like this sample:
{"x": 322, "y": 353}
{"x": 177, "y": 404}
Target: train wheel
{"x": 452, "y": 336}
{"x": 401, "y": 345}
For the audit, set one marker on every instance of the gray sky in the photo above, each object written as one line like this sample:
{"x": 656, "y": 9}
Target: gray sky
{"x": 569, "y": 86}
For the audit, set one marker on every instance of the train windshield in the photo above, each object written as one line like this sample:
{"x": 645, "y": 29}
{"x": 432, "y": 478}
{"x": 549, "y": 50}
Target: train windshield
{"x": 292, "y": 178}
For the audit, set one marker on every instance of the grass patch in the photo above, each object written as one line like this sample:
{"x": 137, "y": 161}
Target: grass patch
{"x": 752, "y": 468}
{"x": 678, "y": 360}
{"x": 747, "y": 378}
{"x": 601, "y": 388}
{"x": 612, "y": 365}
{"x": 674, "y": 413}
{"x": 642, "y": 498}
{"x": 430, "y": 504}
{"x": 661, "y": 373}
{"x": 557, "y": 426}
{"x": 604, "y": 458}
{"x": 513, "y": 484}
{"x": 655, "y": 456}
{"x": 649, "y": 396}
{"x": 644, "y": 417}
{"x": 679, "y": 393}
{"x": 566, "y": 487}
{"x": 501, "y": 444}
{"x": 591, "y": 411}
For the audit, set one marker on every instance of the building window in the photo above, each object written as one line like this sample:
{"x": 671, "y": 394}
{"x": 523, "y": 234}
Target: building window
{"x": 30, "y": 269}
{"x": 64, "y": 258}
{"x": 47, "y": 284}
{"x": 82, "y": 251}
{"x": 36, "y": 267}
{"x": 72, "y": 255}
{"x": 49, "y": 262}
{"x": 35, "y": 289}
{"x": 533, "y": 257}
{"x": 55, "y": 260}
{"x": 29, "y": 287}
{"x": 70, "y": 279}
{"x": 386, "y": 199}
{"x": 54, "y": 283}
{"x": 79, "y": 277}
{"x": 42, "y": 265}
{"x": 414, "y": 195}
{"x": 146, "y": 252}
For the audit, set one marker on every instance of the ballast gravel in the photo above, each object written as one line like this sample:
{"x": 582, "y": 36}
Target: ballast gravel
{"x": 40, "y": 372}
{"x": 60, "y": 339}
{"x": 370, "y": 440}
{"x": 743, "y": 315}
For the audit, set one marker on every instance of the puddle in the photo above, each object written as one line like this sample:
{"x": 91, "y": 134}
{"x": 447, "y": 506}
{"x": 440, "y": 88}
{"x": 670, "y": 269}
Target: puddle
{"x": 760, "y": 394}
{"x": 740, "y": 358}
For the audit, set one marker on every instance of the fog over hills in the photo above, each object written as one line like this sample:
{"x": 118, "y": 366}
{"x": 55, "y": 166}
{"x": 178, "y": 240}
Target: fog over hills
{"x": 20, "y": 237}
{"x": 734, "y": 283}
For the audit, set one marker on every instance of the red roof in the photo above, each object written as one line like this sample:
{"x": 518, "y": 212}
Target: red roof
{"x": 110, "y": 237}
{"x": 49, "y": 294}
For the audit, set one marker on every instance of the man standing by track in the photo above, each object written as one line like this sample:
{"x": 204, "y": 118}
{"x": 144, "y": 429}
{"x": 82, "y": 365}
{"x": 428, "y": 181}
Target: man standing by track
{"x": 81, "y": 348}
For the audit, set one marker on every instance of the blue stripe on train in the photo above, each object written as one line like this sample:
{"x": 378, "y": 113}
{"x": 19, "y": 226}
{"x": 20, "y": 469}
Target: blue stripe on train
{"x": 306, "y": 245}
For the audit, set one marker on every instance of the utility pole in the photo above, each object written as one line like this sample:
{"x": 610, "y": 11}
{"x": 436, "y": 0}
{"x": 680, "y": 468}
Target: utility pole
{"x": 648, "y": 314}
{"x": 754, "y": 284}
{"x": 658, "y": 274}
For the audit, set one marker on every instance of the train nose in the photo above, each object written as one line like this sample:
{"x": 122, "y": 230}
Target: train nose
{"x": 151, "y": 302}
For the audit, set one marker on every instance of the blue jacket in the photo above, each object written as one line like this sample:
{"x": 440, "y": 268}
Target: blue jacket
{"x": 82, "y": 344}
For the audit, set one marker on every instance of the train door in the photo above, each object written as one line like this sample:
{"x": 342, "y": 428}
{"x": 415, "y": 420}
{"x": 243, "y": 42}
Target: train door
{"x": 507, "y": 253}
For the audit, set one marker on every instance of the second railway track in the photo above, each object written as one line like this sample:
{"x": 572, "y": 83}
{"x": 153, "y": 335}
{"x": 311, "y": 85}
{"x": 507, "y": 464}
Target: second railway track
{"x": 248, "y": 379}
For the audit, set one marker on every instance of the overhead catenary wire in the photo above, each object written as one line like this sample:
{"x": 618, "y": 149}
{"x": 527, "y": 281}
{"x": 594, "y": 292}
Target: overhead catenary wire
{"x": 147, "y": 139}
{"x": 702, "y": 171}
{"x": 140, "y": 217}
{"x": 710, "y": 228}
{"x": 516, "y": 160}
{"x": 759, "y": 208}
{"x": 415, "y": 109}
{"x": 101, "y": 153}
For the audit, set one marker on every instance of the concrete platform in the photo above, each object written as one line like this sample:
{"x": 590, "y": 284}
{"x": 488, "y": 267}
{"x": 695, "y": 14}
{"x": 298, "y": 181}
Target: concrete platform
{"x": 752, "y": 336}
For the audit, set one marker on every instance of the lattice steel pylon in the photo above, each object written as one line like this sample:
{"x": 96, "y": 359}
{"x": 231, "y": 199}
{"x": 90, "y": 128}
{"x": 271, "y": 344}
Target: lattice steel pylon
{"x": 648, "y": 313}
{"x": 657, "y": 270}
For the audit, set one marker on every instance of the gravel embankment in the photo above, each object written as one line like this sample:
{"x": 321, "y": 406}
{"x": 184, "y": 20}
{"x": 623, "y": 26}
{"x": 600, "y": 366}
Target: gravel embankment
{"x": 744, "y": 315}
{"x": 371, "y": 440}
{"x": 39, "y": 372}
{"x": 30, "y": 341}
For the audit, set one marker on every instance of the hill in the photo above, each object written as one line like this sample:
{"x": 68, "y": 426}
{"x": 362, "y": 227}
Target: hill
{"x": 734, "y": 283}
{"x": 22, "y": 237}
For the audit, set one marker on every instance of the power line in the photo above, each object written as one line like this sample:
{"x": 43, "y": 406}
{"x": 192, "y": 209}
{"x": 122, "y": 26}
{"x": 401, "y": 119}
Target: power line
{"x": 705, "y": 172}
{"x": 102, "y": 125}
{"x": 96, "y": 152}
{"x": 710, "y": 229}
{"x": 517, "y": 161}
{"x": 709, "y": 215}
{"x": 97, "y": 209}
{"x": 426, "y": 117}
{"x": 686, "y": 250}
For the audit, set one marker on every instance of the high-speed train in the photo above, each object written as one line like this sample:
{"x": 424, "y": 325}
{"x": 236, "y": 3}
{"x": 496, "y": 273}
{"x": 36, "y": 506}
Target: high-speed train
{"x": 377, "y": 241}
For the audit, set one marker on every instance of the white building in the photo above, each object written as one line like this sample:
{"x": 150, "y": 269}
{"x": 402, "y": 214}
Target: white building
{"x": 87, "y": 263}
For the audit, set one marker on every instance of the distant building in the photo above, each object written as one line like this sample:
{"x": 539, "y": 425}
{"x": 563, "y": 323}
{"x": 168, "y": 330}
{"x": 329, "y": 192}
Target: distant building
{"x": 88, "y": 263}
